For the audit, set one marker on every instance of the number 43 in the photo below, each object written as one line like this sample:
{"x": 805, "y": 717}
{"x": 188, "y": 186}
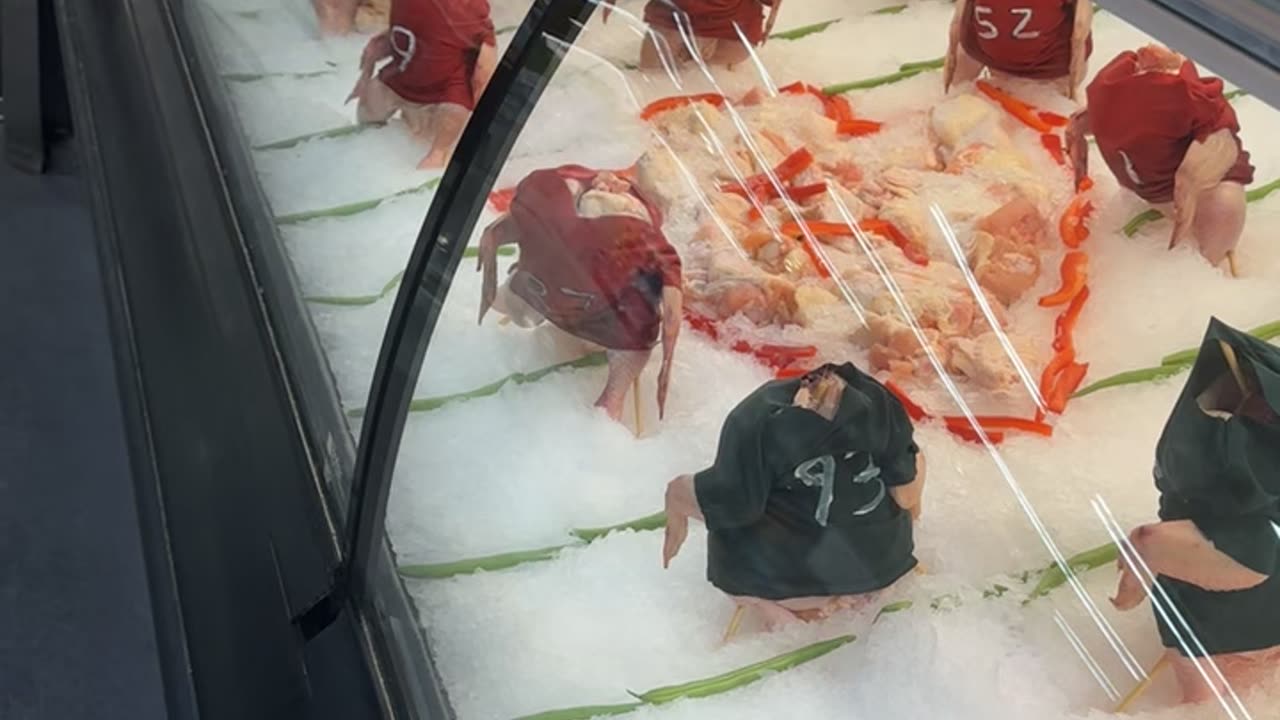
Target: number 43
{"x": 989, "y": 31}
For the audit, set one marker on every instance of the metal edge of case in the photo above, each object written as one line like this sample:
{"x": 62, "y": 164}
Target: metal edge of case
{"x": 1236, "y": 38}
{"x": 232, "y": 534}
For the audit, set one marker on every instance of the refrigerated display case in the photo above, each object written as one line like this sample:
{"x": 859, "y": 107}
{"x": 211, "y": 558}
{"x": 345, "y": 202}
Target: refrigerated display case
{"x": 748, "y": 275}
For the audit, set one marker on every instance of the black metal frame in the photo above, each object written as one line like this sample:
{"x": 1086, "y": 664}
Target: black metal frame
{"x": 236, "y": 541}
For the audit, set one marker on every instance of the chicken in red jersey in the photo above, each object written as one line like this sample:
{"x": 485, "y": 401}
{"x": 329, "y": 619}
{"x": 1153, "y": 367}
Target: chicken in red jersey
{"x": 442, "y": 54}
{"x": 717, "y": 26}
{"x": 1048, "y": 40}
{"x": 1171, "y": 137}
{"x": 595, "y": 264}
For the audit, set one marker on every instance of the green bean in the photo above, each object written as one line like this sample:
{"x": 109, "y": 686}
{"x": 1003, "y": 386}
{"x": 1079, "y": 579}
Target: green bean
{"x": 501, "y": 561}
{"x": 804, "y": 30}
{"x": 1237, "y": 93}
{"x": 321, "y": 135}
{"x": 1254, "y": 195}
{"x": 1054, "y": 576}
{"x": 656, "y": 521}
{"x": 743, "y": 676}
{"x": 934, "y": 64}
{"x": 584, "y": 713}
{"x": 595, "y": 359}
{"x": 870, "y": 82}
{"x": 894, "y": 607}
{"x": 1268, "y": 331}
{"x": 891, "y": 10}
{"x": 1131, "y": 377}
{"x": 353, "y": 208}
{"x": 392, "y": 284}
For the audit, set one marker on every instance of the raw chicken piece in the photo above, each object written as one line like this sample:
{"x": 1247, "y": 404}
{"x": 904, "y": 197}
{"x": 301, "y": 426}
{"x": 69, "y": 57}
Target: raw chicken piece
{"x": 985, "y": 360}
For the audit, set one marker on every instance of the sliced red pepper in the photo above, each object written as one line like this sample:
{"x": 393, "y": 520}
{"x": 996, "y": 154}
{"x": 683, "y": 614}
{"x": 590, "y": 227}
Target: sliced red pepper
{"x": 812, "y": 252}
{"x": 1085, "y": 185}
{"x": 1053, "y": 144}
{"x": 760, "y": 184}
{"x": 1052, "y": 119}
{"x": 858, "y": 128}
{"x": 914, "y": 411}
{"x": 818, "y": 228}
{"x": 788, "y": 373}
{"x": 798, "y": 194}
{"x": 1071, "y": 227}
{"x": 970, "y": 435}
{"x": 658, "y": 107}
{"x": 500, "y": 200}
{"x": 898, "y": 238}
{"x": 1065, "y": 325}
{"x": 1060, "y": 361}
{"x": 1068, "y": 382}
{"x": 701, "y": 323}
{"x": 997, "y": 424}
{"x": 1015, "y": 107}
{"x": 1075, "y": 268}
{"x": 837, "y": 108}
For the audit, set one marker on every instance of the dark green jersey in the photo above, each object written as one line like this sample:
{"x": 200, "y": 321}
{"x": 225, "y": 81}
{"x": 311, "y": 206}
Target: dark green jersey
{"x": 1223, "y": 474}
{"x": 798, "y": 506}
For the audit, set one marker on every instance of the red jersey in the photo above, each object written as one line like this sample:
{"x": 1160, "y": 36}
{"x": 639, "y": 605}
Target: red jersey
{"x": 719, "y": 19}
{"x": 599, "y": 279}
{"x": 1144, "y": 124}
{"x": 435, "y": 44}
{"x": 1026, "y": 38}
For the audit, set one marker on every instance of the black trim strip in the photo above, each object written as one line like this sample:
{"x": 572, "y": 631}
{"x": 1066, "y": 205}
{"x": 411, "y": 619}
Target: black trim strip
{"x": 523, "y": 74}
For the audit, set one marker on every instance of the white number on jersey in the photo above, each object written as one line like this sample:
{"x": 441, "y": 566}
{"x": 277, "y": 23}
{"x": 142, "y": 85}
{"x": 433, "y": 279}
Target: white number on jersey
{"x": 404, "y": 52}
{"x": 820, "y": 472}
{"x": 1130, "y": 170}
{"x": 987, "y": 30}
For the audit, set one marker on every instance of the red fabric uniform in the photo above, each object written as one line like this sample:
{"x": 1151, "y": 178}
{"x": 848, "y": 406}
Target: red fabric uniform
{"x": 711, "y": 18}
{"x": 1145, "y": 123}
{"x": 435, "y": 44}
{"x": 599, "y": 279}
{"x": 1026, "y": 38}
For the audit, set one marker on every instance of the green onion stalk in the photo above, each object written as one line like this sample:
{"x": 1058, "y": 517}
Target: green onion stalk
{"x": 1050, "y": 578}
{"x": 355, "y": 207}
{"x": 388, "y": 287}
{"x": 1131, "y": 228}
{"x": 1170, "y": 365}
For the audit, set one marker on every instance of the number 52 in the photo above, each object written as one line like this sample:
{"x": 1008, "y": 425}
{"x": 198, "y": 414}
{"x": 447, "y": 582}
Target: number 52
{"x": 989, "y": 31}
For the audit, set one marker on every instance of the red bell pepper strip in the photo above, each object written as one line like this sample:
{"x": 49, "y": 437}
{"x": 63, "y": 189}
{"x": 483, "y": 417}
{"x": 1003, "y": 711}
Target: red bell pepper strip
{"x": 789, "y": 373}
{"x": 1052, "y": 119}
{"x": 1065, "y": 325}
{"x": 914, "y": 411}
{"x": 1060, "y": 361}
{"x": 760, "y": 184}
{"x": 1075, "y": 268}
{"x": 1085, "y": 185}
{"x": 1053, "y": 144}
{"x": 970, "y": 435}
{"x": 500, "y": 200}
{"x": 898, "y": 238}
{"x": 837, "y": 108}
{"x": 797, "y": 194}
{"x": 858, "y": 128}
{"x": 1015, "y": 107}
{"x": 996, "y": 424}
{"x": 701, "y": 323}
{"x": 819, "y": 228}
{"x": 1071, "y": 227}
{"x": 1068, "y": 382}
{"x": 814, "y": 258}
{"x": 660, "y": 106}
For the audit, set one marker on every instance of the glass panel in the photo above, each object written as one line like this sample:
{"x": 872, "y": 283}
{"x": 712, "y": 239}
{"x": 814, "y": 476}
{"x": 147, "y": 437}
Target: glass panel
{"x": 871, "y": 272}
{"x": 343, "y": 183}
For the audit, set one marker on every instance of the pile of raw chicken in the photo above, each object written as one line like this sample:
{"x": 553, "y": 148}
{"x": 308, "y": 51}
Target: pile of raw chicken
{"x": 956, "y": 207}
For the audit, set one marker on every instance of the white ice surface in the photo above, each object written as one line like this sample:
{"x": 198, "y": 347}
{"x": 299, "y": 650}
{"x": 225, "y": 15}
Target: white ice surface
{"x": 518, "y": 469}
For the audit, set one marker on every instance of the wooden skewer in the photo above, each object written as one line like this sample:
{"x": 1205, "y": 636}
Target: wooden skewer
{"x": 635, "y": 401}
{"x": 735, "y": 622}
{"x": 1231, "y": 263}
{"x": 1141, "y": 688}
